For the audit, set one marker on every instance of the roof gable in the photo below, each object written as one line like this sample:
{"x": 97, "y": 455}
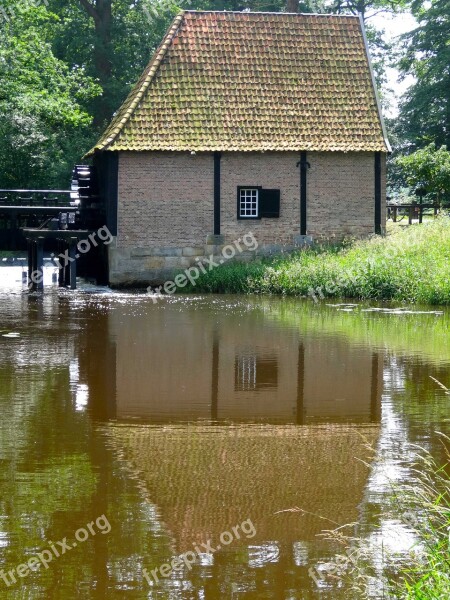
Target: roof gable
{"x": 224, "y": 81}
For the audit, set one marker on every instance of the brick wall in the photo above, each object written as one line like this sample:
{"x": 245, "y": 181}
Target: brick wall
{"x": 341, "y": 191}
{"x": 166, "y": 206}
{"x": 272, "y": 170}
{"x": 165, "y": 199}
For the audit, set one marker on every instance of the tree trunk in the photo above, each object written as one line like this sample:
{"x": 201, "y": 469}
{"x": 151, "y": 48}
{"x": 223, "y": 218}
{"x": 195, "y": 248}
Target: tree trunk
{"x": 292, "y": 6}
{"x": 101, "y": 14}
{"x": 102, "y": 59}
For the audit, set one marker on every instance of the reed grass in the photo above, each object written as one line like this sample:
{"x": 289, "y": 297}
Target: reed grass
{"x": 411, "y": 265}
{"x": 423, "y": 507}
{"x": 428, "y": 577}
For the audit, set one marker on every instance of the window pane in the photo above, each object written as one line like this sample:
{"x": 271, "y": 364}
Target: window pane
{"x": 248, "y": 203}
{"x": 253, "y": 372}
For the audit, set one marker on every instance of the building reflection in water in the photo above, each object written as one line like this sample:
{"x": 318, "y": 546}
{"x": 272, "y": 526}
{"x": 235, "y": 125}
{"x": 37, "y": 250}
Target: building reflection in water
{"x": 222, "y": 372}
{"x": 173, "y": 365}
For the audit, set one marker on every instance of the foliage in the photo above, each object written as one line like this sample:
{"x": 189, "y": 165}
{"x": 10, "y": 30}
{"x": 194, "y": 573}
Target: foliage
{"x": 113, "y": 41}
{"x": 66, "y": 66}
{"x": 412, "y": 265}
{"x": 429, "y": 168}
{"x": 367, "y": 8}
{"x": 41, "y": 100}
{"x": 425, "y": 109}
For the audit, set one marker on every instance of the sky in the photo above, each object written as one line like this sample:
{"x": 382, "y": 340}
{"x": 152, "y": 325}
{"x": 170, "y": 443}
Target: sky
{"x": 394, "y": 26}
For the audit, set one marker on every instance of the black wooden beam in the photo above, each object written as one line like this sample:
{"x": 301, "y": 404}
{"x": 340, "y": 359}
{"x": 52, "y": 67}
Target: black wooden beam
{"x": 304, "y": 165}
{"x": 217, "y": 192}
{"x": 56, "y": 234}
{"x": 59, "y": 260}
{"x": 73, "y": 263}
{"x": 378, "y": 229}
{"x": 30, "y": 260}
{"x": 301, "y": 385}
{"x": 37, "y": 210}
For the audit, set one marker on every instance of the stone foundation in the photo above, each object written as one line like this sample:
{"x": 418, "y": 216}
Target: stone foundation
{"x": 141, "y": 267}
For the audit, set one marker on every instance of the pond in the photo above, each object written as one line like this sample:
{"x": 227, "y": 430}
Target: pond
{"x": 227, "y": 431}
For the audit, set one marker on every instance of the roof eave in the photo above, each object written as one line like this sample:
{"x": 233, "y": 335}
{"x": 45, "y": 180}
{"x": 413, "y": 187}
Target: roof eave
{"x": 113, "y": 132}
{"x": 374, "y": 84}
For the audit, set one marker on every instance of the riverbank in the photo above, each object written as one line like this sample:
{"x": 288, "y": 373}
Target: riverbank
{"x": 428, "y": 577}
{"x": 411, "y": 265}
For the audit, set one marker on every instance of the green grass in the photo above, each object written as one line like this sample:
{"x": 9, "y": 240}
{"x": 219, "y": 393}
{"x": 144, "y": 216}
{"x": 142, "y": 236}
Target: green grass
{"x": 428, "y": 578}
{"x": 412, "y": 265}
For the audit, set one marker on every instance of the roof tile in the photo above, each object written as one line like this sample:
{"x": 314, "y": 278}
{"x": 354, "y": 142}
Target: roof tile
{"x": 253, "y": 81}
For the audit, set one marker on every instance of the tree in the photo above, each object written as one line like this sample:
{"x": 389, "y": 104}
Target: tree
{"x": 42, "y": 119}
{"x": 114, "y": 39}
{"x": 425, "y": 109}
{"x": 77, "y": 60}
{"x": 101, "y": 13}
{"x": 367, "y": 8}
{"x": 428, "y": 168}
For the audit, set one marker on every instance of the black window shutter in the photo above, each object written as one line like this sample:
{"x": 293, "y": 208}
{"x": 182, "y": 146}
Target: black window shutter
{"x": 269, "y": 204}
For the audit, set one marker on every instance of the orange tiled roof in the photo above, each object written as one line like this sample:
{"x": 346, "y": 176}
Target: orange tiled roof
{"x": 227, "y": 81}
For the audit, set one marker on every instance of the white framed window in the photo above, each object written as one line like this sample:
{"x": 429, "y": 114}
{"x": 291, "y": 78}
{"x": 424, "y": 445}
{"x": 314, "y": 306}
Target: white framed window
{"x": 248, "y": 203}
{"x": 253, "y": 372}
{"x": 245, "y": 373}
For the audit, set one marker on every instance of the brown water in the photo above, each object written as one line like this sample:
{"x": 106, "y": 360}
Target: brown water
{"x": 219, "y": 420}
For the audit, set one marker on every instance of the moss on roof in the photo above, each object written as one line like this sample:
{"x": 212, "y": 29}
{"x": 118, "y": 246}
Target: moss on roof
{"x": 225, "y": 81}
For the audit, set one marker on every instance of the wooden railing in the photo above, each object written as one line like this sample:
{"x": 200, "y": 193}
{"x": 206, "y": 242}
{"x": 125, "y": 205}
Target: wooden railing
{"x": 412, "y": 211}
{"x": 21, "y": 209}
{"x": 40, "y": 198}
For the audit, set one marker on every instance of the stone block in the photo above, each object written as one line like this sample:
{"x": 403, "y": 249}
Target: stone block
{"x": 156, "y": 251}
{"x": 155, "y": 262}
{"x": 270, "y": 249}
{"x": 174, "y": 262}
{"x": 245, "y": 257}
{"x": 213, "y": 250}
{"x": 186, "y": 262}
{"x": 303, "y": 240}
{"x": 189, "y": 251}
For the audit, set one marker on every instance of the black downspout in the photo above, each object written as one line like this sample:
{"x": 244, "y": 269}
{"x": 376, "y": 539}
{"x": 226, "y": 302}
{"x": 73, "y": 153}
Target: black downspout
{"x": 304, "y": 166}
{"x": 378, "y": 230}
{"x": 217, "y": 192}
